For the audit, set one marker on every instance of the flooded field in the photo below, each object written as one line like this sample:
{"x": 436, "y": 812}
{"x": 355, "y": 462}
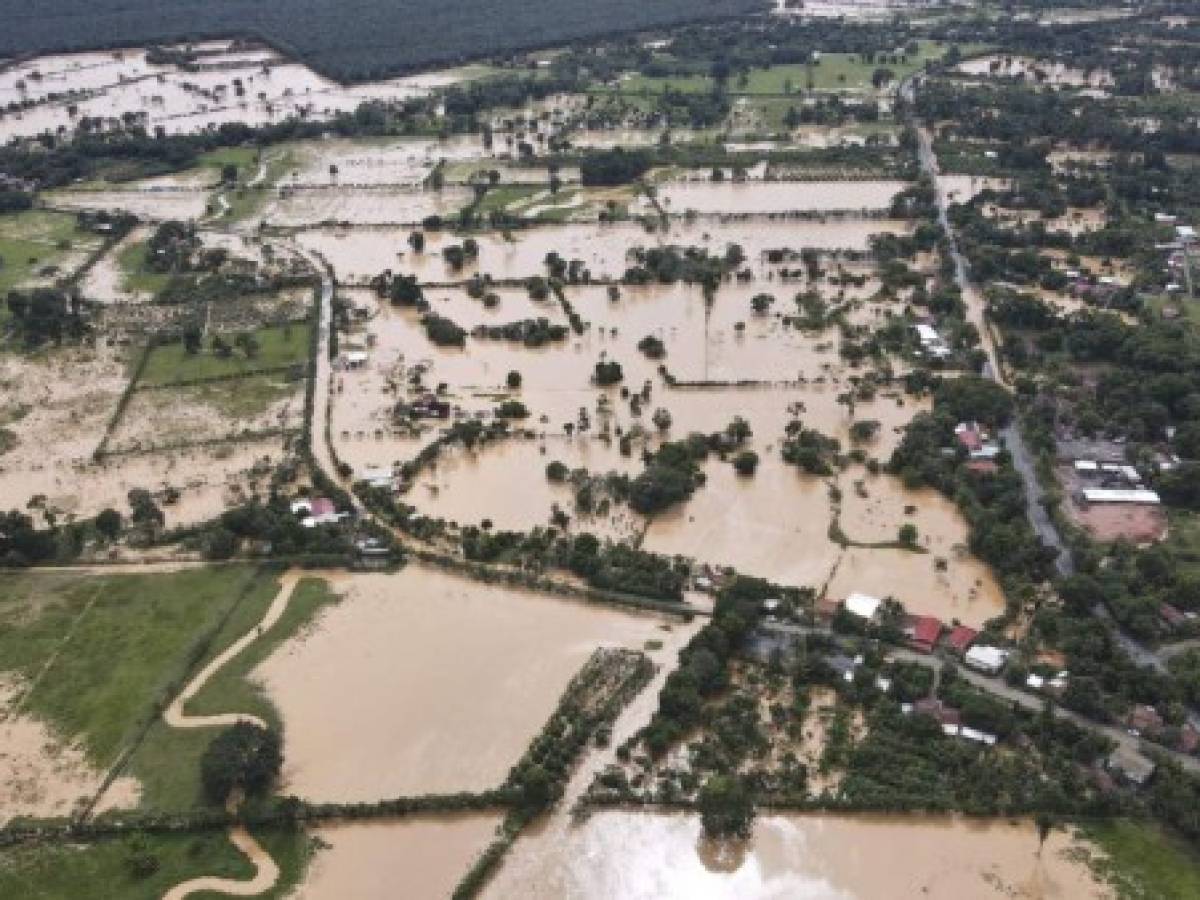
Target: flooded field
{"x": 778, "y": 197}
{"x": 1039, "y": 71}
{"x": 360, "y": 255}
{"x": 148, "y": 204}
{"x": 417, "y": 725}
{"x": 636, "y": 856}
{"x": 254, "y": 87}
{"x": 370, "y": 861}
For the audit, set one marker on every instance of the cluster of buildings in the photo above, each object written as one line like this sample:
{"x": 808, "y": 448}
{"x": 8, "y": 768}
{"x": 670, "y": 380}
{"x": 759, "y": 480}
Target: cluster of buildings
{"x": 982, "y": 448}
{"x": 1111, "y": 482}
{"x": 427, "y": 406}
{"x": 950, "y": 719}
{"x": 1178, "y": 256}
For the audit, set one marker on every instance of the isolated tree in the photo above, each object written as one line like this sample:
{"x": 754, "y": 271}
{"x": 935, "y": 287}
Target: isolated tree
{"x": 244, "y": 756}
{"x": 108, "y": 523}
{"x": 191, "y": 340}
{"x": 908, "y": 534}
{"x": 513, "y": 380}
{"x": 661, "y": 419}
{"x": 726, "y": 807}
{"x": 416, "y": 240}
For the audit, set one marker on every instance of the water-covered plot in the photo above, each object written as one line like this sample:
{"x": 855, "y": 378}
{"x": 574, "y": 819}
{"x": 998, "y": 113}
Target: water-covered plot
{"x": 777, "y": 197}
{"x": 603, "y": 249}
{"x": 146, "y": 203}
{"x": 639, "y": 856}
{"x": 417, "y": 857}
{"x": 506, "y": 482}
{"x": 364, "y": 162}
{"x": 41, "y": 775}
{"x": 423, "y": 682}
{"x": 252, "y": 87}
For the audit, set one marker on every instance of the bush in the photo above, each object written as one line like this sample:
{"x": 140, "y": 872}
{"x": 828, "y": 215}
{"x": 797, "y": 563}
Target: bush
{"x": 608, "y": 373}
{"x": 746, "y": 462}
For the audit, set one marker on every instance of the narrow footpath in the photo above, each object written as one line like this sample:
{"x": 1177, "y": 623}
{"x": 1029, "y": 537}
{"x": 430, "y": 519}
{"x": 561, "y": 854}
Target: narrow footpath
{"x": 266, "y": 872}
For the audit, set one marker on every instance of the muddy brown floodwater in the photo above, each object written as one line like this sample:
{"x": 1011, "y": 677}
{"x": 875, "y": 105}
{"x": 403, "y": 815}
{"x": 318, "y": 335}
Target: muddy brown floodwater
{"x": 417, "y": 858}
{"x": 639, "y": 856}
{"x": 423, "y": 682}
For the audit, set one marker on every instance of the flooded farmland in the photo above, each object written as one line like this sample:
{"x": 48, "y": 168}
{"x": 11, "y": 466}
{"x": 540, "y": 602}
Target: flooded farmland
{"x": 417, "y": 724}
{"x": 418, "y": 857}
{"x": 639, "y": 856}
{"x": 779, "y": 197}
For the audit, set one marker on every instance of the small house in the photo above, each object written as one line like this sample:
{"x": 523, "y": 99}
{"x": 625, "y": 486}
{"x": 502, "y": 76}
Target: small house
{"x": 863, "y": 606}
{"x": 923, "y": 632}
{"x": 989, "y": 660}
{"x": 1130, "y": 766}
{"x": 960, "y": 638}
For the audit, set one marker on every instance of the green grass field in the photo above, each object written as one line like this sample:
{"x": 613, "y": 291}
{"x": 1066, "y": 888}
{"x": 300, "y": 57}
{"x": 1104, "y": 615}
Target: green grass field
{"x": 101, "y": 870}
{"x": 33, "y": 240}
{"x": 1144, "y": 862}
{"x": 168, "y": 762}
{"x": 279, "y": 345}
{"x": 832, "y": 73}
{"x": 99, "y": 651}
{"x": 135, "y": 277}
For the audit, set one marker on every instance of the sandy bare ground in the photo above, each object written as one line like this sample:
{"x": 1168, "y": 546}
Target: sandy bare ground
{"x": 43, "y": 776}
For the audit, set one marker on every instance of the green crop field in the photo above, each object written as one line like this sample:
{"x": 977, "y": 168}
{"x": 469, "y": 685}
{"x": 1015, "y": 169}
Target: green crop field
{"x": 278, "y": 346}
{"x": 99, "y": 651}
{"x": 33, "y": 240}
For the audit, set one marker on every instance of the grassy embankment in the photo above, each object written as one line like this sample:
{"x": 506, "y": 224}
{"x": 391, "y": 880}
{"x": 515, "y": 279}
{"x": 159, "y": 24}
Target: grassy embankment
{"x": 102, "y": 651}
{"x": 168, "y": 761}
{"x": 106, "y": 648}
{"x": 1143, "y": 862}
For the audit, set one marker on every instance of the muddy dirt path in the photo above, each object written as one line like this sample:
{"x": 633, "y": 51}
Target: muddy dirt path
{"x": 174, "y": 714}
{"x": 266, "y": 871}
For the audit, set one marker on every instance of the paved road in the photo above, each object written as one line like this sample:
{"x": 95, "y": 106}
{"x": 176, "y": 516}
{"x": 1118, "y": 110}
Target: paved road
{"x": 1022, "y": 458}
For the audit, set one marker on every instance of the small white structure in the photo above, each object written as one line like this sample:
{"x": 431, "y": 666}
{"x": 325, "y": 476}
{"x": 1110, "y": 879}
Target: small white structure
{"x": 1087, "y": 466}
{"x": 1035, "y": 682}
{"x": 1121, "y": 495}
{"x": 989, "y": 660}
{"x": 931, "y": 341}
{"x": 863, "y": 605}
{"x": 1164, "y": 219}
{"x": 974, "y": 734}
{"x": 377, "y": 477}
{"x": 356, "y": 359}
{"x": 1185, "y": 233}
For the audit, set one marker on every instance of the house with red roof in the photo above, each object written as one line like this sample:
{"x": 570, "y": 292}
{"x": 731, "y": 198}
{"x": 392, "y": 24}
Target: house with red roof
{"x": 923, "y": 632}
{"x": 960, "y": 638}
